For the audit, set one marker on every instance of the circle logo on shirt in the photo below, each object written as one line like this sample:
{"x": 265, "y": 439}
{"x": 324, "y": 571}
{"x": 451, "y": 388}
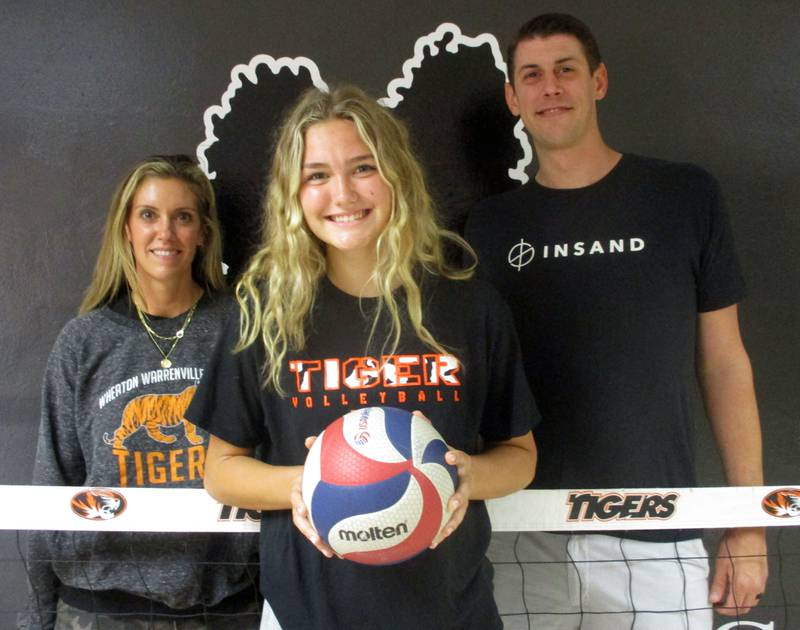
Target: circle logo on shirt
{"x": 521, "y": 254}
{"x": 98, "y": 504}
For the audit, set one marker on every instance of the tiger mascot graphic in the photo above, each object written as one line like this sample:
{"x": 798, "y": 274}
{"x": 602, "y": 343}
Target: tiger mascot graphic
{"x": 783, "y": 503}
{"x": 153, "y": 411}
{"x": 98, "y": 504}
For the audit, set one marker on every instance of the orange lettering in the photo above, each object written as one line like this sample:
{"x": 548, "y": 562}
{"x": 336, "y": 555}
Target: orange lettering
{"x": 197, "y": 458}
{"x": 137, "y": 457}
{"x": 302, "y": 371}
{"x": 155, "y": 475}
{"x": 360, "y": 373}
{"x": 122, "y": 457}
{"x": 175, "y": 465}
{"x": 441, "y": 369}
{"x": 155, "y": 467}
{"x": 398, "y": 370}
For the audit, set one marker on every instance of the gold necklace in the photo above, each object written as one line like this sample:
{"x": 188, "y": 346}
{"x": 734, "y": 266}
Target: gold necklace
{"x": 165, "y": 361}
{"x": 146, "y": 323}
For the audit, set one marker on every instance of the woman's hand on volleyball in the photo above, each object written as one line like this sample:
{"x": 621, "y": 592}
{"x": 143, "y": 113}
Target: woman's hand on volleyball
{"x": 459, "y": 502}
{"x": 300, "y": 516}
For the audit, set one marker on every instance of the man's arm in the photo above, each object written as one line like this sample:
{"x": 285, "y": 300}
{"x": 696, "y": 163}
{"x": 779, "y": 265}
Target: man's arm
{"x": 726, "y": 380}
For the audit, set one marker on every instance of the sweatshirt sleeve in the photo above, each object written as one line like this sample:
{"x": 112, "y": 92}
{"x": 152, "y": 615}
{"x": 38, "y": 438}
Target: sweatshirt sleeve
{"x": 59, "y": 461}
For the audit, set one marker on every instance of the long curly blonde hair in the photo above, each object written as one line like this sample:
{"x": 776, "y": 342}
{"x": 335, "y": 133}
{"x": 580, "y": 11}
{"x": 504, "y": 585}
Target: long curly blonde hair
{"x": 276, "y": 293}
{"x": 115, "y": 269}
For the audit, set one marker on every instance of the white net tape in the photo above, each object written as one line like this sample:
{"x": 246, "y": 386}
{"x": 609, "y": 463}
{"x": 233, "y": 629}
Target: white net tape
{"x": 78, "y": 509}
{"x": 143, "y": 509}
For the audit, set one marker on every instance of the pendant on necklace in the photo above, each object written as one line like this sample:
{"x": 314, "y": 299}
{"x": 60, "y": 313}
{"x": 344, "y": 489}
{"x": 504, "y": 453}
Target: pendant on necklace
{"x": 165, "y": 363}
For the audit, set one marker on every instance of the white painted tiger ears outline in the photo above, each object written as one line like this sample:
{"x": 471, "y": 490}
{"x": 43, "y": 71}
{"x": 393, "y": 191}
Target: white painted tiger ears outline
{"x": 426, "y": 46}
{"x": 248, "y": 71}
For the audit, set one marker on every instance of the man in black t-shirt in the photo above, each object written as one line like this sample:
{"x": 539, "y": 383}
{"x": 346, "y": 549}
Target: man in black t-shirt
{"x": 623, "y": 281}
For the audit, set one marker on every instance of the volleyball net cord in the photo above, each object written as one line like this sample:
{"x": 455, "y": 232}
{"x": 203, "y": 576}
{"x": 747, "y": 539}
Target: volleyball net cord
{"x": 575, "y": 511}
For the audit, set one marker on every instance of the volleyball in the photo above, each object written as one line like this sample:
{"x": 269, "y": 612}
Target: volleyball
{"x": 376, "y": 485}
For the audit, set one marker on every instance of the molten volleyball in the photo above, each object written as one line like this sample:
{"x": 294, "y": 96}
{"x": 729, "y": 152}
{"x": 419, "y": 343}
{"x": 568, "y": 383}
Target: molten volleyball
{"x": 376, "y": 485}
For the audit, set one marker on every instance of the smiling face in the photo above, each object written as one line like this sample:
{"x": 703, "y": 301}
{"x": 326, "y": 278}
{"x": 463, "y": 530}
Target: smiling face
{"x": 555, "y": 93}
{"x": 346, "y": 203}
{"x": 164, "y": 229}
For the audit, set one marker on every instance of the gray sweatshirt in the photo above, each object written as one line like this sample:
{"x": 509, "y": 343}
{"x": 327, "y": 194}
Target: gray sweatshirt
{"x": 113, "y": 417}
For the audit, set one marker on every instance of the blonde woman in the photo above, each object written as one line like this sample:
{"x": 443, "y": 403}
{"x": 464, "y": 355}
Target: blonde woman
{"x": 117, "y": 385}
{"x": 350, "y": 303}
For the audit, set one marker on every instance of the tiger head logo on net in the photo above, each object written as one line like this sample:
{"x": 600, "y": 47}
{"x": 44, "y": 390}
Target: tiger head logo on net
{"x": 98, "y": 504}
{"x": 783, "y": 503}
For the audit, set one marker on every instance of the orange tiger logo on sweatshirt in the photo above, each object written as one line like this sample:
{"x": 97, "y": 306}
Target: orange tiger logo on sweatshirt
{"x": 153, "y": 412}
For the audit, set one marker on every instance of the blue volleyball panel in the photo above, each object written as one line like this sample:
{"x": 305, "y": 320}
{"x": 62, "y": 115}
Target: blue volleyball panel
{"x": 332, "y": 503}
{"x": 397, "y": 423}
{"x": 434, "y": 454}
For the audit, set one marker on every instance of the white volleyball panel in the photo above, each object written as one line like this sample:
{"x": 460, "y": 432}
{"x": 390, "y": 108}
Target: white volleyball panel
{"x": 365, "y": 431}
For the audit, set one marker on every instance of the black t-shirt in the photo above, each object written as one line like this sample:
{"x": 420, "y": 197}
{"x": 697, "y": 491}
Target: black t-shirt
{"x": 605, "y": 283}
{"x": 482, "y": 397}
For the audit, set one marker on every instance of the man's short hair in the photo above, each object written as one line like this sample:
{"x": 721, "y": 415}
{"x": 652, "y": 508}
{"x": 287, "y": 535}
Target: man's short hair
{"x": 548, "y": 24}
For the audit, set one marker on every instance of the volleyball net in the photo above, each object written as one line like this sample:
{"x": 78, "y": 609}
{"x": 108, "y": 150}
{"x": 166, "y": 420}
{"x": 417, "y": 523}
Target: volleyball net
{"x": 623, "y": 513}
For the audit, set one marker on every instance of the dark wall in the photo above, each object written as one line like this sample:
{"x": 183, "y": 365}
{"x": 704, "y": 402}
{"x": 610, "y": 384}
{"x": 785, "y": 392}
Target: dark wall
{"x": 89, "y": 88}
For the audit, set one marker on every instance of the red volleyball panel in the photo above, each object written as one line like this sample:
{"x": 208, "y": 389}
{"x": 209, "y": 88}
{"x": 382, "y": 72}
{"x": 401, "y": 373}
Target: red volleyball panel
{"x": 341, "y": 464}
